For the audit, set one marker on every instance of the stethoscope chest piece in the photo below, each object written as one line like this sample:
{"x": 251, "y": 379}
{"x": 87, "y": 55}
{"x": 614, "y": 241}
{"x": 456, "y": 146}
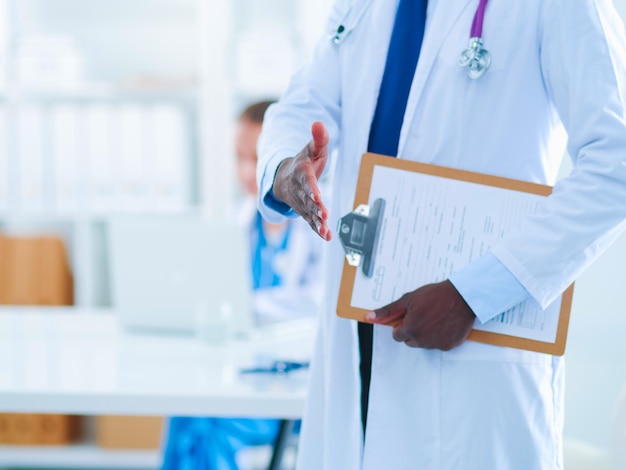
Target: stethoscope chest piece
{"x": 475, "y": 58}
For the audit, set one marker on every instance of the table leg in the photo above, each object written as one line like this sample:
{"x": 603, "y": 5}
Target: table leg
{"x": 284, "y": 431}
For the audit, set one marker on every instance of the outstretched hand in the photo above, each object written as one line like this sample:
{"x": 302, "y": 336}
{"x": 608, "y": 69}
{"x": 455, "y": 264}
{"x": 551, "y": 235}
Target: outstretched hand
{"x": 434, "y": 316}
{"x": 296, "y": 179}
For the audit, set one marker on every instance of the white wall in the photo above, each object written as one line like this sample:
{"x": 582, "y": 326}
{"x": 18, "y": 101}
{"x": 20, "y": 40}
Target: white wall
{"x": 621, "y": 7}
{"x": 121, "y": 39}
{"x": 596, "y": 350}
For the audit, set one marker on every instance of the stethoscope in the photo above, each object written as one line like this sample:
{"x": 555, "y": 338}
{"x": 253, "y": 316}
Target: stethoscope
{"x": 475, "y": 58}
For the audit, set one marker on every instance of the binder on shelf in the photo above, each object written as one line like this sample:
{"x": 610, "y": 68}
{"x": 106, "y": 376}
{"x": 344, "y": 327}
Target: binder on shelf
{"x": 48, "y": 61}
{"x": 132, "y": 157}
{"x": 100, "y": 157}
{"x": 57, "y": 286}
{"x": 24, "y": 276}
{"x": 4, "y": 159}
{"x": 3, "y": 45}
{"x": 265, "y": 59}
{"x": 169, "y": 137}
{"x": 4, "y": 273}
{"x": 54, "y": 429}
{"x": 38, "y": 429}
{"x": 35, "y": 271}
{"x": 64, "y": 149}
{"x": 23, "y": 429}
{"x": 31, "y": 145}
{"x": 129, "y": 432}
{"x": 5, "y": 423}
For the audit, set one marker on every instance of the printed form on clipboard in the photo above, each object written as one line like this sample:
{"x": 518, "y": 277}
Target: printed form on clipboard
{"x": 416, "y": 224}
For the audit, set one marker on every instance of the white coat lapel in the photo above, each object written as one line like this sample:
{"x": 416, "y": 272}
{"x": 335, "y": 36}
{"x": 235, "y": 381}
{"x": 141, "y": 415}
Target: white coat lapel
{"x": 442, "y": 15}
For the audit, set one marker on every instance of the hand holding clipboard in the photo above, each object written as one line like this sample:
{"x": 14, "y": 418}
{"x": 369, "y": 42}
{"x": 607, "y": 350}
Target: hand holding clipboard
{"x": 436, "y": 220}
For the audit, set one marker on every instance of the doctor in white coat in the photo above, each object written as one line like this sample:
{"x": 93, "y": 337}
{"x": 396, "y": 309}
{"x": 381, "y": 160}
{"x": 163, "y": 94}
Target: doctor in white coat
{"x": 557, "y": 78}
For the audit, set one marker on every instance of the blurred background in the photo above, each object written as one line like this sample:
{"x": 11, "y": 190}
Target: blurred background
{"x": 111, "y": 107}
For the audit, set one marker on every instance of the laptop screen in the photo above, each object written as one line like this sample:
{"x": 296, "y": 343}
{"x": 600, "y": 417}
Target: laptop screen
{"x": 168, "y": 270}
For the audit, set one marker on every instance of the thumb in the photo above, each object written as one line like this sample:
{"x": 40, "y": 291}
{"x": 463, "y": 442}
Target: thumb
{"x": 389, "y": 314}
{"x": 318, "y": 147}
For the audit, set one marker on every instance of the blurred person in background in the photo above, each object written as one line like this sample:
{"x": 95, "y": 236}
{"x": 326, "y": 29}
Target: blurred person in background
{"x": 285, "y": 263}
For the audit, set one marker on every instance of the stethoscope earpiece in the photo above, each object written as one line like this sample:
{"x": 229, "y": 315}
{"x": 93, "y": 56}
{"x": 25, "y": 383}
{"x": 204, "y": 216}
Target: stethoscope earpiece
{"x": 336, "y": 38}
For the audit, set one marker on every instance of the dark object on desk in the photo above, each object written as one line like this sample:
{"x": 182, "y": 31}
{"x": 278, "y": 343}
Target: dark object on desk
{"x": 277, "y": 367}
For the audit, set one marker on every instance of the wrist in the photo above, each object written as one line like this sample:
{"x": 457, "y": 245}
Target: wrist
{"x": 278, "y": 186}
{"x": 461, "y": 302}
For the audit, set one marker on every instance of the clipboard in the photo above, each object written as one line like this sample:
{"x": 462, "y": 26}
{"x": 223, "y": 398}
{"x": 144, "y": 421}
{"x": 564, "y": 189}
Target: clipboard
{"x": 361, "y": 233}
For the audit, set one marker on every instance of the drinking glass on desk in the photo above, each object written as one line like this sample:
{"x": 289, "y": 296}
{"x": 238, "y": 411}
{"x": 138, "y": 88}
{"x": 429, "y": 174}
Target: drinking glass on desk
{"x": 214, "y": 327}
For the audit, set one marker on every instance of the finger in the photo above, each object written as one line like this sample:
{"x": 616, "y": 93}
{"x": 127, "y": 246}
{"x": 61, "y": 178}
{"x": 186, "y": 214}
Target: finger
{"x": 401, "y": 335}
{"x": 325, "y": 232}
{"x": 319, "y": 227}
{"x": 311, "y": 200}
{"x": 316, "y": 215}
{"x": 411, "y": 343}
{"x": 308, "y": 181}
{"x": 388, "y": 314}
{"x": 319, "y": 143}
{"x": 308, "y": 206}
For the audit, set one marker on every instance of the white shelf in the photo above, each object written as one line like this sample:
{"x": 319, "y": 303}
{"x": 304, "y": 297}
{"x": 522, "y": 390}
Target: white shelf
{"x": 91, "y": 215}
{"x": 89, "y": 456}
{"x": 104, "y": 92}
{"x": 77, "y": 456}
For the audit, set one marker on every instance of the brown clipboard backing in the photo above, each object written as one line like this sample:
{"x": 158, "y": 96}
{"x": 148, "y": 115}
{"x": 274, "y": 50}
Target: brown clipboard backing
{"x": 368, "y": 162}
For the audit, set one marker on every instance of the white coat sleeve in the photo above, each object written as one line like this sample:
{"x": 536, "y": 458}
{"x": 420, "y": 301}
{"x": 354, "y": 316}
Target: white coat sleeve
{"x": 312, "y": 95}
{"x": 488, "y": 287}
{"x": 583, "y": 59}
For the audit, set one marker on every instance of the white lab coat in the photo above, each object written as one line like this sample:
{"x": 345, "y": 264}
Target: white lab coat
{"x": 556, "y": 64}
{"x": 299, "y": 267}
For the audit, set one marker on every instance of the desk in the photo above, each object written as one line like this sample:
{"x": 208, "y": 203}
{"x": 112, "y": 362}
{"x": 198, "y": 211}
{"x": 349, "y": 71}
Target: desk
{"x": 64, "y": 360}
{"x": 76, "y": 362}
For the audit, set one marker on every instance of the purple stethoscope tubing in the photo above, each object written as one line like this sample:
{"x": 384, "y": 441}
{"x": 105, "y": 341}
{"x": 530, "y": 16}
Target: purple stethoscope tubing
{"x": 476, "y": 59}
{"x": 479, "y": 18}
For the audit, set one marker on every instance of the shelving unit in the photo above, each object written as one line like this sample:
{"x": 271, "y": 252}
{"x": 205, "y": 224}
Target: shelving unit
{"x": 202, "y": 59}
{"x": 126, "y": 86}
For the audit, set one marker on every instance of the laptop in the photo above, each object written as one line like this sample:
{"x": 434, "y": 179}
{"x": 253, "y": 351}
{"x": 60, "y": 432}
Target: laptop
{"x": 170, "y": 272}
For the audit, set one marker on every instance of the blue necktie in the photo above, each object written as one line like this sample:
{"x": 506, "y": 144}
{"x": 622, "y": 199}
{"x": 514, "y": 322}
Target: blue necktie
{"x": 404, "y": 50}
{"x": 402, "y": 56}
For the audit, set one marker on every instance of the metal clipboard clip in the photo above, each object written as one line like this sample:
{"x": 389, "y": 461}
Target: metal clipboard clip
{"x": 359, "y": 232}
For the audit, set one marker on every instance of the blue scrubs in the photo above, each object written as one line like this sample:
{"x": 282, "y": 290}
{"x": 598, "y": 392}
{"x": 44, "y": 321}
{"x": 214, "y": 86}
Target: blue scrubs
{"x": 213, "y": 443}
